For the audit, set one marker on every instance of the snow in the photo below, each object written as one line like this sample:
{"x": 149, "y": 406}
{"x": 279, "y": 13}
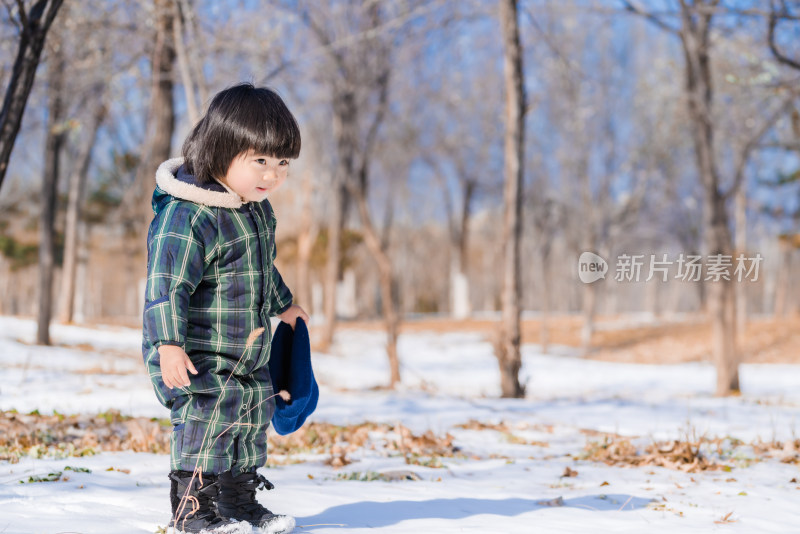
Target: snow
{"x": 496, "y": 486}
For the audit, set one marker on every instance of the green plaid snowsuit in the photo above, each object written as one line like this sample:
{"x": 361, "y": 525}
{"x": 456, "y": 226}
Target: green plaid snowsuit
{"x": 210, "y": 282}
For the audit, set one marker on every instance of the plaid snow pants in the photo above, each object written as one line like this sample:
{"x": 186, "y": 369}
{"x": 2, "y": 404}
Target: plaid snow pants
{"x": 220, "y": 420}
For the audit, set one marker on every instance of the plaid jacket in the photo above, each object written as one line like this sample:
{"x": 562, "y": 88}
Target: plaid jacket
{"x": 211, "y": 280}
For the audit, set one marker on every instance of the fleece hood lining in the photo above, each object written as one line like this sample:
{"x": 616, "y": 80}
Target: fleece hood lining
{"x": 166, "y": 180}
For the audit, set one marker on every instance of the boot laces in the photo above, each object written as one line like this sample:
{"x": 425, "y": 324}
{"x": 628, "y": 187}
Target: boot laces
{"x": 246, "y": 494}
{"x": 263, "y": 483}
{"x": 198, "y": 502}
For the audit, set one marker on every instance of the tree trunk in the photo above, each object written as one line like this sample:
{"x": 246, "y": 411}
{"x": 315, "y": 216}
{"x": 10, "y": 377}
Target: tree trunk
{"x": 156, "y": 148}
{"x": 161, "y": 114}
{"x": 459, "y": 282}
{"x": 195, "y": 53}
{"x": 741, "y": 248}
{"x": 508, "y": 346}
{"x": 544, "y": 327}
{"x": 695, "y": 38}
{"x": 782, "y": 283}
{"x": 702, "y": 292}
{"x": 358, "y": 187}
{"x": 192, "y": 109}
{"x": 82, "y": 266}
{"x": 305, "y": 246}
{"x": 77, "y": 186}
{"x": 722, "y": 307}
{"x": 35, "y": 26}
{"x": 388, "y": 294}
{"x": 459, "y": 292}
{"x": 56, "y": 134}
{"x": 345, "y": 122}
{"x": 333, "y": 265}
{"x": 378, "y": 247}
{"x": 589, "y": 313}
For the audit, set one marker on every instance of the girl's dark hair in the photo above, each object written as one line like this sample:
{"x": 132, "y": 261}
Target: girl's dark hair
{"x": 240, "y": 118}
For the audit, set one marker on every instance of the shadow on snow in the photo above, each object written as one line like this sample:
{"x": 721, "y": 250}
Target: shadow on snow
{"x": 372, "y": 514}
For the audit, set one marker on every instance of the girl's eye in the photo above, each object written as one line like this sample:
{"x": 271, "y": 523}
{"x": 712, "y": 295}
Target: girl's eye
{"x": 261, "y": 161}
{"x": 284, "y": 162}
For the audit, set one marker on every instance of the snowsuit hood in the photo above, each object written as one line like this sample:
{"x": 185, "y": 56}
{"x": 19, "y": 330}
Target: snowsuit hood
{"x": 173, "y": 181}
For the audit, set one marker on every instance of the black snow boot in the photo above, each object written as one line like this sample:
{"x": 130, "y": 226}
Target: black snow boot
{"x": 237, "y": 500}
{"x": 194, "y": 511}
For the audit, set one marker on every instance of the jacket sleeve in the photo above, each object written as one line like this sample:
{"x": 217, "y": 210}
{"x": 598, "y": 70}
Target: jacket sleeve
{"x": 179, "y": 242}
{"x": 279, "y": 294}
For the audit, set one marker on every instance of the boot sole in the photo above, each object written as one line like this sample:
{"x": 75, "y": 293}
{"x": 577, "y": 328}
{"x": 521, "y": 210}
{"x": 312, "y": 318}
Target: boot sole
{"x": 280, "y": 525}
{"x": 242, "y": 527}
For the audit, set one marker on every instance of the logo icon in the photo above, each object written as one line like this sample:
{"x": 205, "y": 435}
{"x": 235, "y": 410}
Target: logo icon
{"x": 591, "y": 267}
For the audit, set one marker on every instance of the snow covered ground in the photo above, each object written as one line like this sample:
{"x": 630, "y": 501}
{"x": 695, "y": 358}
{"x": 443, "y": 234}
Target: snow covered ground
{"x": 502, "y": 483}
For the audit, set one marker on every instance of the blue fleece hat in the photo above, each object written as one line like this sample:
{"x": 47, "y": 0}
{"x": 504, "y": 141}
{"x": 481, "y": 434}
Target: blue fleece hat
{"x": 290, "y": 370}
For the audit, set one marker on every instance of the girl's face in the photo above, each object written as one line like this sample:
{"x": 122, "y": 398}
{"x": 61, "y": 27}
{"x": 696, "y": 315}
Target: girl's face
{"x": 252, "y": 176}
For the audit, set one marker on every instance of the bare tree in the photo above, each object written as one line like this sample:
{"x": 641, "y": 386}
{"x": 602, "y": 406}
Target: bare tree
{"x": 34, "y": 24}
{"x": 309, "y": 230}
{"x": 343, "y": 109}
{"x": 507, "y": 347}
{"x": 694, "y": 31}
{"x": 458, "y": 224}
{"x": 77, "y": 188}
{"x": 89, "y": 78}
{"x": 160, "y": 117}
{"x": 747, "y": 145}
{"x": 594, "y": 200}
{"x": 357, "y": 38}
{"x": 546, "y": 215}
{"x": 183, "y": 30}
{"x": 458, "y": 150}
{"x": 780, "y": 10}
{"x": 56, "y": 133}
{"x": 136, "y": 211}
{"x": 695, "y": 36}
{"x": 358, "y": 186}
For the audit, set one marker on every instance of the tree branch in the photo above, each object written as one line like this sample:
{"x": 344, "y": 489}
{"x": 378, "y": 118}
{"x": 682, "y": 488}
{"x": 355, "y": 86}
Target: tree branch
{"x": 636, "y": 10}
{"x": 23, "y": 18}
{"x": 380, "y": 112}
{"x": 773, "y": 22}
{"x": 51, "y": 13}
{"x": 284, "y": 64}
{"x": 553, "y": 48}
{"x": 783, "y": 146}
{"x": 752, "y": 144}
{"x": 439, "y": 177}
{"x": 183, "y": 63}
{"x": 11, "y": 16}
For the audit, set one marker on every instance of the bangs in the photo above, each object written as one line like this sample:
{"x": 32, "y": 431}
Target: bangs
{"x": 240, "y": 119}
{"x": 266, "y": 127}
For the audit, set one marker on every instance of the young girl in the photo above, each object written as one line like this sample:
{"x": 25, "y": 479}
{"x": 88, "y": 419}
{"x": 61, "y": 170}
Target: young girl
{"x": 211, "y": 282}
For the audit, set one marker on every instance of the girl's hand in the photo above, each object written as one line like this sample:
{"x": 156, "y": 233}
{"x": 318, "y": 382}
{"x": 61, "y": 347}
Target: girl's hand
{"x": 290, "y": 315}
{"x": 174, "y": 363}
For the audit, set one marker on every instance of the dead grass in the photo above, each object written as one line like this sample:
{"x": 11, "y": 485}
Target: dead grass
{"x": 63, "y": 436}
{"x": 78, "y": 435}
{"x": 339, "y": 442}
{"x": 679, "y": 455}
{"x": 690, "y": 454}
